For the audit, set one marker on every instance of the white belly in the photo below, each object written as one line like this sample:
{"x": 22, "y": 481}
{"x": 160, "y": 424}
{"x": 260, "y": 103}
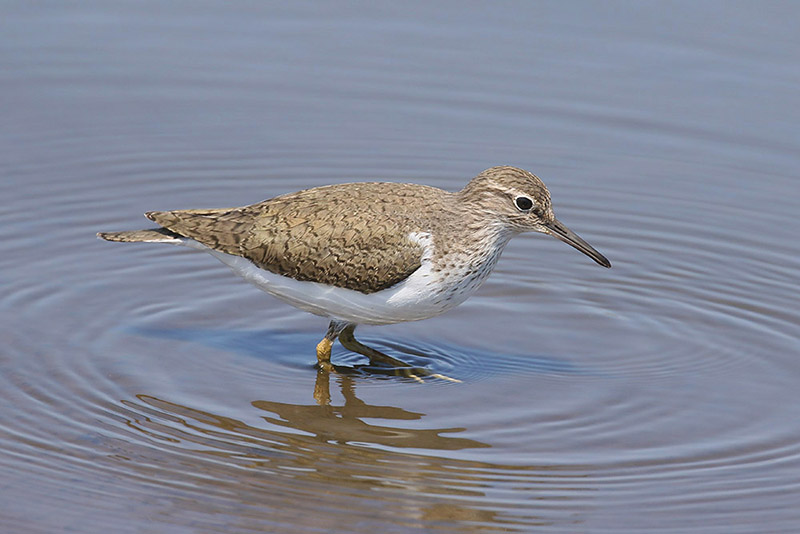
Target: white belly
{"x": 422, "y": 295}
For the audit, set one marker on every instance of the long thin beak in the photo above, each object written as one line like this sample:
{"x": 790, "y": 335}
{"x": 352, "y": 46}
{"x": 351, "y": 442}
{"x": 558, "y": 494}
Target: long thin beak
{"x": 556, "y": 229}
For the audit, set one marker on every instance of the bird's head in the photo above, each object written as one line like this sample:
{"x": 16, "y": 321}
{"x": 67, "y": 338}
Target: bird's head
{"x": 520, "y": 202}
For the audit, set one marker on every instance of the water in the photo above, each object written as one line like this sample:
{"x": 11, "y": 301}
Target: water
{"x": 145, "y": 389}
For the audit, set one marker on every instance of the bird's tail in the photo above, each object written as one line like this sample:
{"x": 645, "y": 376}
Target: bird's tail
{"x": 155, "y": 235}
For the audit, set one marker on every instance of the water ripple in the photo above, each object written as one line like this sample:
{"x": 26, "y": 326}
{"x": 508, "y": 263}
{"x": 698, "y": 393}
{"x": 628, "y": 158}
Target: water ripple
{"x": 159, "y": 377}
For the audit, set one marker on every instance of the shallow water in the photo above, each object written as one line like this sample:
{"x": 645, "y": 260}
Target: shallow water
{"x": 146, "y": 389}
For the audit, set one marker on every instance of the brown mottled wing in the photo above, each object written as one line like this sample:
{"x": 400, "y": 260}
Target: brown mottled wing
{"x": 349, "y": 235}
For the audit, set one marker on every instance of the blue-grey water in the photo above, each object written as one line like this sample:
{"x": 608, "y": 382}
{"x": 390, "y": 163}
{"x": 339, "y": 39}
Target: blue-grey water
{"x": 146, "y": 389}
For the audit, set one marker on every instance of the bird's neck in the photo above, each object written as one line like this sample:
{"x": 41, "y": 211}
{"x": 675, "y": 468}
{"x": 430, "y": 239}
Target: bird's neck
{"x": 473, "y": 245}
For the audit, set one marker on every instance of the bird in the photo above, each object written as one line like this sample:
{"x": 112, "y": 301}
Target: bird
{"x": 371, "y": 253}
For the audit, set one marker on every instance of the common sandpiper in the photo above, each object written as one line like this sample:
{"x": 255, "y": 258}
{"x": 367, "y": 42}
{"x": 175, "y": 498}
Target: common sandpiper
{"x": 372, "y": 252}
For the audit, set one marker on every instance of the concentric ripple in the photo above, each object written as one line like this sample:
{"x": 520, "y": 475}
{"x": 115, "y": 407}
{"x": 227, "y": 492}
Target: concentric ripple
{"x": 149, "y": 371}
{"x": 146, "y": 389}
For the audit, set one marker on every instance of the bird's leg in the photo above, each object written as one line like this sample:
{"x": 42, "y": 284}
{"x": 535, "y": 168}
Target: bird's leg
{"x": 344, "y": 331}
{"x": 324, "y": 346}
{"x": 350, "y": 342}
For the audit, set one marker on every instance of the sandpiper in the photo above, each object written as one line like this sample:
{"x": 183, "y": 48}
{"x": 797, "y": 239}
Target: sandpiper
{"x": 372, "y": 252}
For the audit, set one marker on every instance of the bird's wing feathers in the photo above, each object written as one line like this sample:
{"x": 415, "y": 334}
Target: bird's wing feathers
{"x": 341, "y": 241}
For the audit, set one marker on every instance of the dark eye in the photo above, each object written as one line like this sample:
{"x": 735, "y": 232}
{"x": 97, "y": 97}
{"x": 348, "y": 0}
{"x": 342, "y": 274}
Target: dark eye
{"x": 523, "y": 203}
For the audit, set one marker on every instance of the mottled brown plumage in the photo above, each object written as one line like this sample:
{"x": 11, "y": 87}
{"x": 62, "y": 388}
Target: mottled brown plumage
{"x": 353, "y": 236}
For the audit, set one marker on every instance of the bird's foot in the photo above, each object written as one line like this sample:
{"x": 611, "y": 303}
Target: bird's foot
{"x": 383, "y": 361}
{"x": 380, "y": 363}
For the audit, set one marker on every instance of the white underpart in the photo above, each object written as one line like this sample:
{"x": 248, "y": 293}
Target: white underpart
{"x": 422, "y": 295}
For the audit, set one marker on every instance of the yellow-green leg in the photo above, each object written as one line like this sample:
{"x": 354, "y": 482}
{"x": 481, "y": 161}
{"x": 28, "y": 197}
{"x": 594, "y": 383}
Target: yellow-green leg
{"x": 324, "y": 346}
{"x": 348, "y": 340}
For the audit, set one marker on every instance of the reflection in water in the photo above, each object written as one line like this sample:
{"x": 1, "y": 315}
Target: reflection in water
{"x": 345, "y": 423}
{"x": 318, "y": 454}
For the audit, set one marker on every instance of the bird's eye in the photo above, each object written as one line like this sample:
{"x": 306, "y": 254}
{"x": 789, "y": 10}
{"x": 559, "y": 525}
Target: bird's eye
{"x": 523, "y": 203}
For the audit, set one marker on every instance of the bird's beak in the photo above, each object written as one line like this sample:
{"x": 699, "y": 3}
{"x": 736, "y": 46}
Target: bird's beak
{"x": 556, "y": 229}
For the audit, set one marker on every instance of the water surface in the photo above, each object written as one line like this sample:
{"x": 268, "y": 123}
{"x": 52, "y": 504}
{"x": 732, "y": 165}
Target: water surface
{"x": 147, "y": 389}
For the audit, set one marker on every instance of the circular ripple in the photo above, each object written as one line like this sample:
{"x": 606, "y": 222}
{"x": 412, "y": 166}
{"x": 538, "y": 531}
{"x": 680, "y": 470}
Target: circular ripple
{"x": 162, "y": 377}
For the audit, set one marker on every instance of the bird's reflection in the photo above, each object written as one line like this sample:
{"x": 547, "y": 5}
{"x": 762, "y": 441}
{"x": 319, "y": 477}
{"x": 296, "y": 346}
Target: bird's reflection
{"x": 346, "y": 423}
{"x": 317, "y": 449}
{"x": 335, "y": 451}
